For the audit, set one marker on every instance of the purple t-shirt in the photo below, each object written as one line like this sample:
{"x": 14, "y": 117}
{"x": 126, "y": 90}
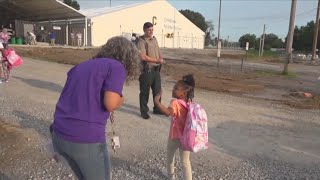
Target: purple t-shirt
{"x": 80, "y": 114}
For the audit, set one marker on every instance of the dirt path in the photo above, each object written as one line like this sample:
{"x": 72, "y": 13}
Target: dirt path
{"x": 260, "y": 79}
{"x": 249, "y": 138}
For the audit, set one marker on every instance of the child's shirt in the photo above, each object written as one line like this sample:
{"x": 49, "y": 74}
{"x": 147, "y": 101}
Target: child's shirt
{"x": 178, "y": 119}
{"x": 79, "y": 36}
{"x": 52, "y": 35}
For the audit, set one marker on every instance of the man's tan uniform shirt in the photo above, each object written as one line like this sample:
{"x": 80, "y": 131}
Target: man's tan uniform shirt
{"x": 150, "y": 47}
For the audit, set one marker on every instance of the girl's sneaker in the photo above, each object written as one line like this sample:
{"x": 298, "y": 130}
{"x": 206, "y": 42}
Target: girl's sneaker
{"x": 165, "y": 173}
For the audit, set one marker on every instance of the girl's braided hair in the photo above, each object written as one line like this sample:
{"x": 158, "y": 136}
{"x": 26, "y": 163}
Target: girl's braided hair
{"x": 189, "y": 83}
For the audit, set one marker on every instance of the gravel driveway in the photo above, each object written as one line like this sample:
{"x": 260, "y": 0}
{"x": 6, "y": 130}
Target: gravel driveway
{"x": 249, "y": 138}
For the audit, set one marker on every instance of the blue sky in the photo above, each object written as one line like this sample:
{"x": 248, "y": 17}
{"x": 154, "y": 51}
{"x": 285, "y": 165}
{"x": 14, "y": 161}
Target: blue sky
{"x": 238, "y": 16}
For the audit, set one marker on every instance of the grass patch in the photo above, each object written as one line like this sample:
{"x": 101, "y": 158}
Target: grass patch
{"x": 270, "y": 73}
{"x": 290, "y": 75}
{"x": 266, "y": 73}
{"x": 254, "y": 54}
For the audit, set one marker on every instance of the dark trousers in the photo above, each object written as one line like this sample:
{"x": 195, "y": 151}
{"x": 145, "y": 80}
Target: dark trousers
{"x": 149, "y": 79}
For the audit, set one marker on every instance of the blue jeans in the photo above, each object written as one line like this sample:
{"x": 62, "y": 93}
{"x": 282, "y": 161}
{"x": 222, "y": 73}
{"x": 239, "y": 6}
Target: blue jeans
{"x": 88, "y": 161}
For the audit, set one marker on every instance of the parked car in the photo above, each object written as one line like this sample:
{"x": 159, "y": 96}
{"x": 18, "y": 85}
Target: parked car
{"x": 300, "y": 56}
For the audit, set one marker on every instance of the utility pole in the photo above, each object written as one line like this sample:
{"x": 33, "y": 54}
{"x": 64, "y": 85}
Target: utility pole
{"x": 315, "y": 36}
{"x": 260, "y": 45}
{"x": 228, "y": 43}
{"x": 110, "y": 3}
{"x": 290, "y": 36}
{"x": 263, "y": 37}
{"x": 219, "y": 34}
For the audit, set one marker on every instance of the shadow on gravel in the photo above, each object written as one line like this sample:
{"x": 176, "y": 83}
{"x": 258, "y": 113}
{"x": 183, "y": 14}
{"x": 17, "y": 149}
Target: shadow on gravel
{"x": 277, "y": 151}
{"x": 41, "y": 84}
{"x": 29, "y": 121}
{"x": 134, "y": 170}
{"x": 130, "y": 109}
{"x": 4, "y": 176}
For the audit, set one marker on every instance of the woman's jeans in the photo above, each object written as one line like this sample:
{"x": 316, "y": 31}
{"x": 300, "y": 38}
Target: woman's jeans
{"x": 88, "y": 161}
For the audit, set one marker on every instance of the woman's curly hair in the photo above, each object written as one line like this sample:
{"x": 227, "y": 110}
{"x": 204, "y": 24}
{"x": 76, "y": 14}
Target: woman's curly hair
{"x": 121, "y": 49}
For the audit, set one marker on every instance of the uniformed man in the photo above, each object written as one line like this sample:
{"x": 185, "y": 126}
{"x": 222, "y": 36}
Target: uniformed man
{"x": 150, "y": 76}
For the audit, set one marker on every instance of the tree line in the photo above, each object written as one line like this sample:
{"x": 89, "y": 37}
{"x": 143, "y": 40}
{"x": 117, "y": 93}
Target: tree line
{"x": 302, "y": 39}
{"x": 72, "y": 3}
{"x": 271, "y": 41}
{"x": 200, "y": 21}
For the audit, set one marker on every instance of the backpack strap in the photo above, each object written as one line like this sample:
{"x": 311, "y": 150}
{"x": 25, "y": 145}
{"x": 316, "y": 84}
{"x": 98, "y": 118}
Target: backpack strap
{"x": 183, "y": 103}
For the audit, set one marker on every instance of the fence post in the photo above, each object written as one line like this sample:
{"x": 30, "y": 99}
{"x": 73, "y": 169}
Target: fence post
{"x": 242, "y": 65}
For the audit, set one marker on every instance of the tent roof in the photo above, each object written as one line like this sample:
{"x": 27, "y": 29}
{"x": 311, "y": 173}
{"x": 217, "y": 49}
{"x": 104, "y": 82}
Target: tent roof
{"x": 94, "y": 12}
{"x": 37, "y": 10}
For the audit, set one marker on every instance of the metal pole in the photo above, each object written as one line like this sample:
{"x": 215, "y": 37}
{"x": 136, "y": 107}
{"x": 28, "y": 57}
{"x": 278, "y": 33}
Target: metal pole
{"x": 241, "y": 64}
{"x": 162, "y": 38}
{"x": 264, "y": 35}
{"x": 192, "y": 40}
{"x": 86, "y": 31}
{"x": 315, "y": 36}
{"x": 219, "y": 30}
{"x": 174, "y": 27}
{"x": 260, "y": 45}
{"x": 219, "y": 21}
{"x": 290, "y": 37}
{"x": 110, "y": 3}
{"x": 67, "y": 32}
{"x": 246, "y": 55}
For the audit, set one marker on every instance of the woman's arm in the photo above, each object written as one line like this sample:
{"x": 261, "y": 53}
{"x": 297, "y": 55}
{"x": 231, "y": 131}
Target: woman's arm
{"x": 112, "y": 100}
{"x": 145, "y": 57}
{"x": 168, "y": 111}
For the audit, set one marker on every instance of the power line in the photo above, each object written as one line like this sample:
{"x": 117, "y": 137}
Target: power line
{"x": 274, "y": 16}
{"x": 275, "y": 21}
{"x": 270, "y": 25}
{"x": 302, "y": 13}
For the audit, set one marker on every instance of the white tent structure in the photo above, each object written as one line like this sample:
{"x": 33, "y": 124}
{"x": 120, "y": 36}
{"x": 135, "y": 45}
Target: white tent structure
{"x": 171, "y": 28}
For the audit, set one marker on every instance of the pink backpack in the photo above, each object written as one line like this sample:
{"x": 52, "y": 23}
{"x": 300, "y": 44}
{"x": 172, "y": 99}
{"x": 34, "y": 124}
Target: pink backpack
{"x": 14, "y": 59}
{"x": 195, "y": 134}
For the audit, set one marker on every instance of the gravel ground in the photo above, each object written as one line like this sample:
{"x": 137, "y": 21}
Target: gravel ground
{"x": 249, "y": 138}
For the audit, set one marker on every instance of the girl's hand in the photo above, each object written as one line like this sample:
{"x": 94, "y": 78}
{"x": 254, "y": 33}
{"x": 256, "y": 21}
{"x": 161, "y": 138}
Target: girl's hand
{"x": 157, "y": 98}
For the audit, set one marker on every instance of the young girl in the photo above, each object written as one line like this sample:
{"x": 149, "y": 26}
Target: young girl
{"x": 183, "y": 90}
{"x": 6, "y": 66}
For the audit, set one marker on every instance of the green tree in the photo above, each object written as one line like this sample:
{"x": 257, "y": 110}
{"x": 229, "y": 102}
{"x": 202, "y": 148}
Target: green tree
{"x": 209, "y": 34}
{"x": 72, "y": 3}
{"x": 272, "y": 41}
{"x": 303, "y": 37}
{"x": 257, "y": 44}
{"x": 251, "y": 38}
{"x": 196, "y": 18}
{"x": 200, "y": 21}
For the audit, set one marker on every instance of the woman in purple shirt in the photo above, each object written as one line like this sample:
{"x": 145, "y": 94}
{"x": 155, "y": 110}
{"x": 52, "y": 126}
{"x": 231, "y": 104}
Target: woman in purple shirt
{"x": 93, "y": 89}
